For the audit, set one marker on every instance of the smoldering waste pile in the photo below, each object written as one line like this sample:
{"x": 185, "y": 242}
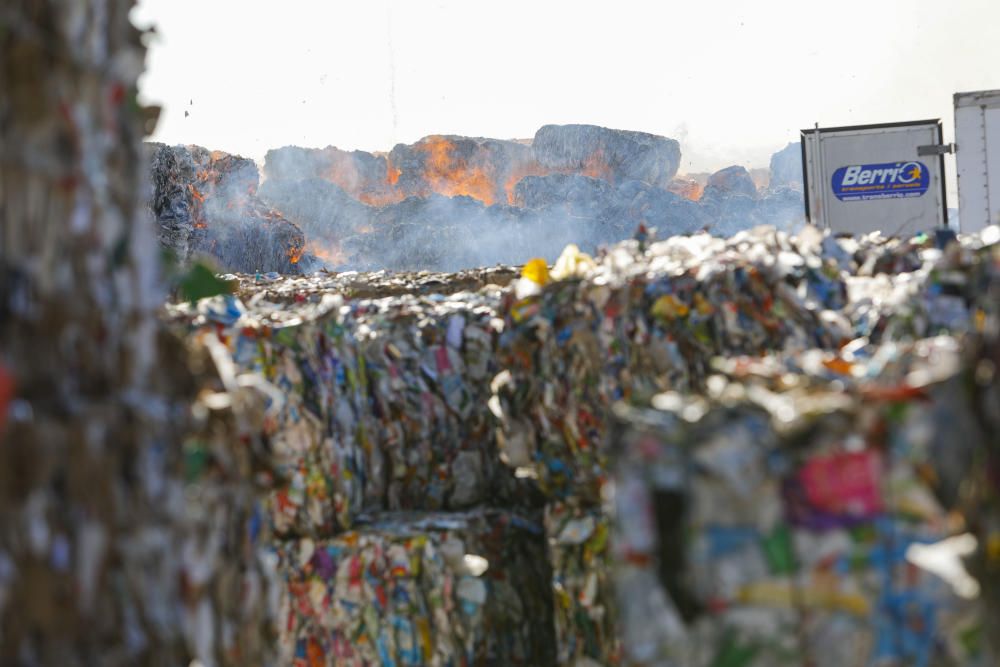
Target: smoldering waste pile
{"x": 427, "y": 448}
{"x": 447, "y": 203}
{"x": 205, "y": 203}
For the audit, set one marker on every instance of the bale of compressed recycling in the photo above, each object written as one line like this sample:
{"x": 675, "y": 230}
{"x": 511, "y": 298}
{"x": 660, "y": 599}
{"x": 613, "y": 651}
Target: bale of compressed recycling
{"x": 420, "y": 589}
{"x": 734, "y": 180}
{"x": 382, "y": 403}
{"x": 640, "y": 320}
{"x": 323, "y": 211}
{"x": 794, "y": 516}
{"x": 98, "y": 553}
{"x": 228, "y": 581}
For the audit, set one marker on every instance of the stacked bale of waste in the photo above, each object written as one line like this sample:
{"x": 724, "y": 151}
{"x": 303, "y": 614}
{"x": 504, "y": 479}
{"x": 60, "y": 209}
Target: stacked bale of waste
{"x": 384, "y": 457}
{"x": 826, "y": 507}
{"x": 419, "y": 589}
{"x": 119, "y": 544}
{"x": 381, "y": 443}
{"x": 633, "y": 322}
{"x": 795, "y": 515}
{"x": 640, "y": 320}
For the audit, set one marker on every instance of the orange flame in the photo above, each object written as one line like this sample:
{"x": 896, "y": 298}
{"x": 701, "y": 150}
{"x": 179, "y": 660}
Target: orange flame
{"x": 687, "y": 188}
{"x": 330, "y": 254}
{"x": 381, "y": 198}
{"x": 596, "y": 166}
{"x": 446, "y": 172}
{"x": 451, "y": 176}
{"x": 391, "y": 172}
{"x": 343, "y": 173}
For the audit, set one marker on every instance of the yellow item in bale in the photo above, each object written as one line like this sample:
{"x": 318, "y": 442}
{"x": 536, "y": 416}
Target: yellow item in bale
{"x": 536, "y": 270}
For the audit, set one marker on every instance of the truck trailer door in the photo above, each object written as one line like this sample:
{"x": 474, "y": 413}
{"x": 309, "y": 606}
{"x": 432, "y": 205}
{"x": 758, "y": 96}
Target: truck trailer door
{"x": 977, "y": 153}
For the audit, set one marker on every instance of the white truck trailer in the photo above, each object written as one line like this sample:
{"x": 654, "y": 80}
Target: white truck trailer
{"x": 977, "y": 154}
{"x": 887, "y": 177}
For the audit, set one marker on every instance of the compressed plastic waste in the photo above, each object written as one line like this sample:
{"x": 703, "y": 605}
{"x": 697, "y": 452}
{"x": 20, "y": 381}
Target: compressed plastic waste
{"x": 228, "y": 580}
{"x": 382, "y": 404}
{"x": 459, "y": 588}
{"x": 116, "y": 549}
{"x": 583, "y": 600}
{"x": 789, "y": 517}
{"x": 648, "y": 317}
{"x": 637, "y": 321}
{"x": 377, "y": 404}
{"x": 640, "y": 319}
{"x": 904, "y": 290}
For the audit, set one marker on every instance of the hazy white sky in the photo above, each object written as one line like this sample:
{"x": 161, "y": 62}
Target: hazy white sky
{"x": 732, "y": 80}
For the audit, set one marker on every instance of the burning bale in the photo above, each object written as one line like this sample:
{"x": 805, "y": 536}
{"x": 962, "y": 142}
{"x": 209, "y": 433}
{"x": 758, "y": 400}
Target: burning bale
{"x": 323, "y": 210}
{"x": 730, "y": 181}
{"x": 732, "y": 201}
{"x": 440, "y": 233}
{"x": 206, "y": 203}
{"x": 366, "y": 177}
{"x": 612, "y": 155}
{"x": 483, "y": 169}
{"x": 450, "y": 166}
{"x": 590, "y": 208}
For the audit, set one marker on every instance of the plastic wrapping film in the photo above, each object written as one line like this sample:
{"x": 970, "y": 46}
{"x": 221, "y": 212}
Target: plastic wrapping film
{"x": 798, "y": 514}
{"x": 382, "y": 404}
{"x": 447, "y": 589}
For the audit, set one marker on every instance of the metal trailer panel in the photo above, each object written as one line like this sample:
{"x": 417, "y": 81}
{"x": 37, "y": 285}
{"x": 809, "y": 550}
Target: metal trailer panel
{"x": 977, "y": 137}
{"x": 873, "y": 150}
